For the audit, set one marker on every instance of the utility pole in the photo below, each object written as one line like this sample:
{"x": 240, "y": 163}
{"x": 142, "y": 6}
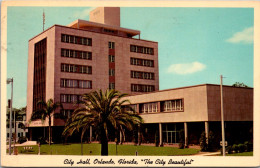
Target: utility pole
{"x": 10, "y": 80}
{"x": 222, "y": 117}
{"x": 14, "y": 132}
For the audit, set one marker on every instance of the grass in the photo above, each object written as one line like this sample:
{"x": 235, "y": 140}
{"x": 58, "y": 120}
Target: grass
{"x": 241, "y": 154}
{"x": 94, "y": 149}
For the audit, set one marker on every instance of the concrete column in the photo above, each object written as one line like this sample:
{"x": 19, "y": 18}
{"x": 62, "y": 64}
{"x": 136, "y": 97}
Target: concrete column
{"x": 186, "y": 133}
{"x": 207, "y": 130}
{"x": 160, "y": 134}
{"x": 90, "y": 134}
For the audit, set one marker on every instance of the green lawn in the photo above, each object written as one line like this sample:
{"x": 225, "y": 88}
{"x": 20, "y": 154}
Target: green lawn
{"x": 241, "y": 154}
{"x": 94, "y": 149}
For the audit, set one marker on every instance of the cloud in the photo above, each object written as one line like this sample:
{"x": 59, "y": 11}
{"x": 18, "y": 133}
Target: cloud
{"x": 245, "y": 36}
{"x": 186, "y": 68}
{"x": 83, "y": 14}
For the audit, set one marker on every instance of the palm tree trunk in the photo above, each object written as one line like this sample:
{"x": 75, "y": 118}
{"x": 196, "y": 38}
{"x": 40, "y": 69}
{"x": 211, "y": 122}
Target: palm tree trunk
{"x": 104, "y": 143}
{"x": 49, "y": 130}
{"x": 81, "y": 146}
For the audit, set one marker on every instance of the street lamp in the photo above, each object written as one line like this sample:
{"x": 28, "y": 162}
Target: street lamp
{"x": 10, "y": 80}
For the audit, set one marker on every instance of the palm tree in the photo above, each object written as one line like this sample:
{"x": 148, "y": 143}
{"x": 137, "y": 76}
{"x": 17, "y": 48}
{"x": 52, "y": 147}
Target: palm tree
{"x": 105, "y": 112}
{"x": 46, "y": 111}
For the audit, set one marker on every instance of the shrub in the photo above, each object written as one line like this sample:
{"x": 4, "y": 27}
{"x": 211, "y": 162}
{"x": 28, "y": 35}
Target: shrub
{"x": 22, "y": 139}
{"x": 229, "y": 149}
{"x": 235, "y": 148}
{"x": 246, "y": 146}
{"x": 250, "y": 146}
{"x": 211, "y": 142}
{"x": 203, "y": 142}
{"x": 241, "y": 148}
{"x": 42, "y": 140}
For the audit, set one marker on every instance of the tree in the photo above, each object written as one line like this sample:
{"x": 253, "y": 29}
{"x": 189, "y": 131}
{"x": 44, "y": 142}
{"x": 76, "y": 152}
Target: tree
{"x": 106, "y": 112}
{"x": 238, "y": 84}
{"x": 46, "y": 111}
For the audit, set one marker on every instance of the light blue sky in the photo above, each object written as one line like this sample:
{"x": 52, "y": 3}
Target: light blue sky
{"x": 196, "y": 45}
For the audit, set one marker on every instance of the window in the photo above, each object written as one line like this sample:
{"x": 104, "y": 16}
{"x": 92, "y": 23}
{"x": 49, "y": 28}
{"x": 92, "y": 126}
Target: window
{"x": 7, "y": 135}
{"x": 76, "y": 68}
{"x": 141, "y": 62}
{"x": 142, "y": 88}
{"x": 142, "y": 75}
{"x": 133, "y": 48}
{"x": 111, "y": 58}
{"x": 73, "y": 83}
{"x": 76, "y": 40}
{"x": 172, "y": 105}
{"x": 140, "y": 49}
{"x": 149, "y": 107}
{"x": 111, "y": 85}
{"x": 111, "y": 45}
{"x": 109, "y": 31}
{"x": 67, "y": 113}
{"x": 111, "y": 72}
{"x": 69, "y": 98}
{"x": 76, "y": 54}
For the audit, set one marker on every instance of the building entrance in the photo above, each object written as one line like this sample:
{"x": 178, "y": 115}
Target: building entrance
{"x": 171, "y": 133}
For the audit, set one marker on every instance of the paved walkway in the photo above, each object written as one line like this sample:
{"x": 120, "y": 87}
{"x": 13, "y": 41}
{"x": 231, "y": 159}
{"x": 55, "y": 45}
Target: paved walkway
{"x": 27, "y": 143}
{"x": 207, "y": 154}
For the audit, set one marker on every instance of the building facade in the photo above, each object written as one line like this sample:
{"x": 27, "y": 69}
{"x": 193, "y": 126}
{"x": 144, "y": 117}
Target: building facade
{"x": 20, "y": 130}
{"x": 195, "y": 109}
{"x": 66, "y": 61}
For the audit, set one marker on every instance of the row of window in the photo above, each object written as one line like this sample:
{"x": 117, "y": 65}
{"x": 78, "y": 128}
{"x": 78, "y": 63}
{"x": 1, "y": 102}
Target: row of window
{"x": 140, "y": 49}
{"x": 111, "y": 45}
{"x": 76, "y": 40}
{"x": 70, "y": 98}
{"x": 142, "y": 88}
{"x": 76, "y": 68}
{"x": 76, "y": 54}
{"x": 142, "y": 62}
{"x": 142, "y": 75}
{"x": 166, "y": 106}
{"x": 73, "y": 83}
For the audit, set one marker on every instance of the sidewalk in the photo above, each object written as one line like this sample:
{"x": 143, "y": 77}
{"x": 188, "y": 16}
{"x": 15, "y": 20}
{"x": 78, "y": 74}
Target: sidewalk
{"x": 207, "y": 154}
{"x": 27, "y": 143}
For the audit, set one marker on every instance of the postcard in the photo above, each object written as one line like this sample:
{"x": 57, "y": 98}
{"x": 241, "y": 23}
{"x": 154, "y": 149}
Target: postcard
{"x": 130, "y": 83}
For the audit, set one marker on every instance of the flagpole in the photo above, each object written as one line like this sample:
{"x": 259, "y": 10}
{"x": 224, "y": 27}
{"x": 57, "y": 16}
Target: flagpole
{"x": 222, "y": 116}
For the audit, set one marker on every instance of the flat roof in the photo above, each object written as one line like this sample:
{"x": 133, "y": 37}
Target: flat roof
{"x": 184, "y": 87}
{"x": 84, "y": 23}
{"x": 88, "y": 31}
